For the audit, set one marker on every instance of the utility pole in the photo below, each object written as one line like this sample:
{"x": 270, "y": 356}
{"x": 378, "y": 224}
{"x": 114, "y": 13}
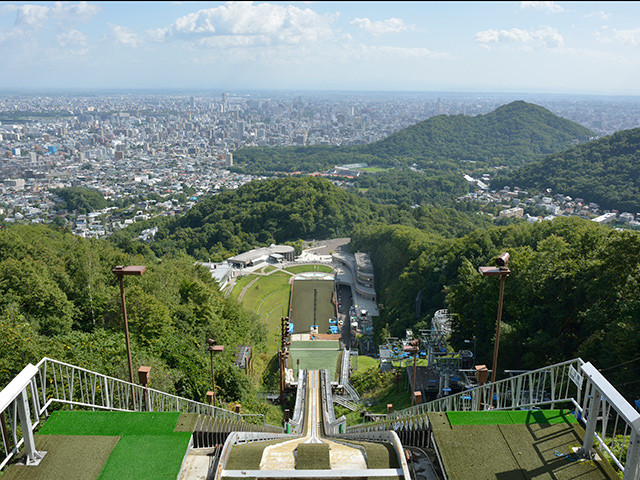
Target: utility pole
{"x": 283, "y": 353}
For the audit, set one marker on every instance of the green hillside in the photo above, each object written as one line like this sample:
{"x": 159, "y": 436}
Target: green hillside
{"x": 514, "y": 134}
{"x": 286, "y": 210}
{"x": 605, "y": 171}
{"x": 573, "y": 291}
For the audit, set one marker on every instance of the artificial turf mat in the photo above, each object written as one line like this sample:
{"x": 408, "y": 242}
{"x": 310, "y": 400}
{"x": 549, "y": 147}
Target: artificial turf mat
{"x": 537, "y": 458}
{"x": 379, "y": 455}
{"x": 152, "y": 457}
{"x": 313, "y": 456}
{"x": 316, "y": 355}
{"x": 148, "y": 447}
{"x": 522, "y": 447}
{"x": 511, "y": 417}
{"x": 187, "y": 422}
{"x": 248, "y": 455}
{"x": 110, "y": 423}
{"x": 68, "y": 457}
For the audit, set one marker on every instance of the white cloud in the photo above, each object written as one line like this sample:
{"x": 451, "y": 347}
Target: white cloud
{"x": 72, "y": 39}
{"x": 32, "y": 19}
{"x": 123, "y": 36}
{"x": 391, "y": 25}
{"x": 548, "y": 7}
{"x": 600, "y": 14}
{"x": 68, "y": 13}
{"x": 546, "y": 37}
{"x": 264, "y": 23}
{"x": 628, "y": 37}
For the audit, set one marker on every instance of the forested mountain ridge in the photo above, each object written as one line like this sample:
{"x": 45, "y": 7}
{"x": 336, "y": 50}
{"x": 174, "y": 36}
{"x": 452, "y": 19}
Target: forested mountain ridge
{"x": 513, "y": 134}
{"x": 605, "y": 171}
{"x": 281, "y": 210}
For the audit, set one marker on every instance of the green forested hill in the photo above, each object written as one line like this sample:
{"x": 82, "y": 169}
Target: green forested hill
{"x": 605, "y": 171}
{"x": 59, "y": 298}
{"x": 513, "y": 134}
{"x": 574, "y": 291}
{"x": 287, "y": 210}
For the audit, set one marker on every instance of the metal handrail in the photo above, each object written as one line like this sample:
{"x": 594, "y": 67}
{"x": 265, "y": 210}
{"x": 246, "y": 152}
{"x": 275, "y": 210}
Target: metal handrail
{"x": 28, "y": 398}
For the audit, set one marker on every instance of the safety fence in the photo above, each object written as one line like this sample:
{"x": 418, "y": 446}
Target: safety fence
{"x": 609, "y": 420}
{"x": 51, "y": 384}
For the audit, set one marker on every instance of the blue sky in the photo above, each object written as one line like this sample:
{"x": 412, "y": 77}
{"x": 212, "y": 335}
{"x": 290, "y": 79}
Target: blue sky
{"x": 546, "y": 47}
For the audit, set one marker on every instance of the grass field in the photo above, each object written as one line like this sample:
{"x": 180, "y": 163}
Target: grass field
{"x": 268, "y": 297}
{"x": 306, "y": 295}
{"x": 309, "y": 268}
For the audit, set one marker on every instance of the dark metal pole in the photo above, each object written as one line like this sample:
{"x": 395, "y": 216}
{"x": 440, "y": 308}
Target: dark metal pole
{"x": 126, "y": 332}
{"x": 213, "y": 380}
{"x": 497, "y": 340}
{"x": 413, "y": 387}
{"x": 281, "y": 361}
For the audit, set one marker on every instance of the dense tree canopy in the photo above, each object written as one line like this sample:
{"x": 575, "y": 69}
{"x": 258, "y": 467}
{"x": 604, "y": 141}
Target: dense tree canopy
{"x": 60, "y": 299}
{"x": 574, "y": 290}
{"x": 605, "y": 171}
{"x": 84, "y": 200}
{"x": 286, "y": 210}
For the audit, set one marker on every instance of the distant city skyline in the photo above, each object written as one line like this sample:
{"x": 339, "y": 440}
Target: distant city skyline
{"x": 537, "y": 47}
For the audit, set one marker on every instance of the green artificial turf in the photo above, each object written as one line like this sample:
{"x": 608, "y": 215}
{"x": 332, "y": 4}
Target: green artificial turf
{"x": 304, "y": 296}
{"x": 315, "y": 344}
{"x": 110, "y": 423}
{"x": 536, "y": 453}
{"x": 513, "y": 445}
{"x": 313, "y": 456}
{"x": 152, "y": 457}
{"x": 511, "y": 417}
{"x": 148, "y": 448}
{"x": 67, "y": 457}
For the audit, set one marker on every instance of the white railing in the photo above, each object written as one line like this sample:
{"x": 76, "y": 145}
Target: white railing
{"x": 331, "y": 424}
{"x": 344, "y": 376}
{"x": 297, "y": 421}
{"x": 34, "y": 391}
{"x": 608, "y": 418}
{"x": 612, "y": 422}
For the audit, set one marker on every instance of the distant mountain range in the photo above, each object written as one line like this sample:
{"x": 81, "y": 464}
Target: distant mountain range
{"x": 514, "y": 134}
{"x": 605, "y": 171}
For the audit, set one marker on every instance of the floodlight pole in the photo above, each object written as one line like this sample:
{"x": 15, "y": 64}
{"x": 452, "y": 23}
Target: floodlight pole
{"x": 214, "y": 348}
{"x": 503, "y": 272}
{"x": 120, "y": 271}
{"x": 494, "y": 365}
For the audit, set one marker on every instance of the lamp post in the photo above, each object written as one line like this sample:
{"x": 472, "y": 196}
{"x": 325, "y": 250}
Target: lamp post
{"x": 214, "y": 348}
{"x": 503, "y": 272}
{"x": 120, "y": 271}
{"x": 413, "y": 347}
{"x": 474, "y": 346}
